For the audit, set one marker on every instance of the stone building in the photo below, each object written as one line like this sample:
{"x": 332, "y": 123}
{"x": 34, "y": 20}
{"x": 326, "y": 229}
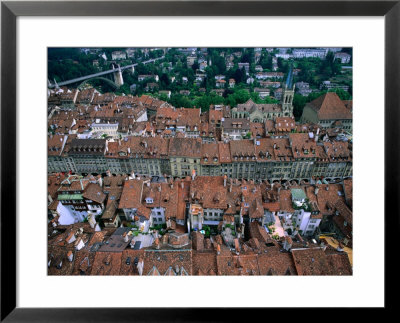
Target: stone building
{"x": 327, "y": 110}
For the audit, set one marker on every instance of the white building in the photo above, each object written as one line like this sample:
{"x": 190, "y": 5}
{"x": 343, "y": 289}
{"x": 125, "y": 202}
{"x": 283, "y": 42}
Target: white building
{"x": 118, "y": 55}
{"x": 263, "y": 93}
{"x": 309, "y": 52}
{"x": 68, "y": 216}
{"x": 110, "y": 129}
{"x": 344, "y": 58}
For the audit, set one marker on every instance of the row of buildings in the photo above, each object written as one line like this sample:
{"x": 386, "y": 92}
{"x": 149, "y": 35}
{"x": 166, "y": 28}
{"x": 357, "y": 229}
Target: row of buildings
{"x": 149, "y": 137}
{"x": 198, "y": 226}
{"x": 298, "y": 157}
{"x": 178, "y": 255}
{"x": 89, "y": 113}
{"x": 197, "y": 203}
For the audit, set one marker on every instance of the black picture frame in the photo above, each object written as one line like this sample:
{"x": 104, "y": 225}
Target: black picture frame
{"x": 10, "y": 10}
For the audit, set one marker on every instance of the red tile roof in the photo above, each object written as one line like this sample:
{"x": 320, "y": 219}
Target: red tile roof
{"x": 329, "y": 106}
{"x": 210, "y": 191}
{"x": 131, "y": 194}
{"x": 185, "y": 147}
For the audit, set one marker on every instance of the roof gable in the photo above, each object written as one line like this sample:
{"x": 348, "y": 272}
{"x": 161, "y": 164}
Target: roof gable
{"x": 330, "y": 106}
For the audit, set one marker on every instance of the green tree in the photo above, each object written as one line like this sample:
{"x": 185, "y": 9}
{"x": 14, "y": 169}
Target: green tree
{"x": 164, "y": 81}
{"x": 180, "y": 101}
{"x": 195, "y": 66}
{"x": 299, "y": 102}
{"x": 342, "y": 94}
{"x": 239, "y": 96}
{"x": 239, "y": 75}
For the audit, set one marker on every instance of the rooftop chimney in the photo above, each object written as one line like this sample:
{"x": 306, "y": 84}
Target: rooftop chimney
{"x": 92, "y": 220}
{"x": 287, "y": 244}
{"x": 237, "y": 246}
{"x": 70, "y": 256}
{"x": 126, "y": 237}
{"x": 71, "y": 238}
{"x": 140, "y": 267}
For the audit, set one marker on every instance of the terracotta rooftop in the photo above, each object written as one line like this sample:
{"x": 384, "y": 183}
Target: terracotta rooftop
{"x": 257, "y": 129}
{"x": 339, "y": 263}
{"x": 55, "y": 144}
{"x": 138, "y": 147}
{"x": 224, "y": 152}
{"x": 284, "y": 124}
{"x": 204, "y": 263}
{"x": 53, "y": 183}
{"x": 236, "y": 123}
{"x": 302, "y": 145}
{"x": 286, "y": 201}
{"x": 94, "y": 192}
{"x": 274, "y": 262}
{"x": 185, "y": 147}
{"x": 329, "y": 106}
{"x": 131, "y": 194}
{"x": 237, "y": 265}
{"x": 315, "y": 261}
{"x": 327, "y": 197}
{"x": 338, "y": 151}
{"x": 179, "y": 260}
{"x": 348, "y": 191}
{"x": 242, "y": 150}
{"x": 210, "y": 191}
{"x": 210, "y": 154}
{"x": 59, "y": 263}
{"x": 128, "y": 267}
{"x": 106, "y": 263}
{"x": 73, "y": 183}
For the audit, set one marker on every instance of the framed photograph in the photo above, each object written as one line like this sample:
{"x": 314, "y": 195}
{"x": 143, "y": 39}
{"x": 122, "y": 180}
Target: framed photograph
{"x": 366, "y": 36}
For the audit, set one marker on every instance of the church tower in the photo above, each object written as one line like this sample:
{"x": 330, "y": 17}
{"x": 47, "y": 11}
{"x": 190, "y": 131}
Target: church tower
{"x": 287, "y": 96}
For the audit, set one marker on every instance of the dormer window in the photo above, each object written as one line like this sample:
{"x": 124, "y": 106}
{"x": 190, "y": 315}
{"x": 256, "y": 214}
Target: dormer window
{"x": 149, "y": 200}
